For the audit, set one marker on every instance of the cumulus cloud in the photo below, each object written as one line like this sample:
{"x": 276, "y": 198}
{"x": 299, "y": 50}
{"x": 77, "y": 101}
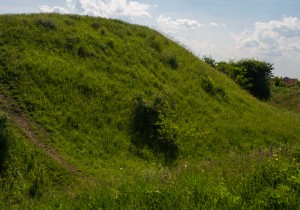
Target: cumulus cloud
{"x": 213, "y": 24}
{"x": 273, "y": 36}
{"x": 47, "y": 9}
{"x": 168, "y": 22}
{"x": 102, "y": 8}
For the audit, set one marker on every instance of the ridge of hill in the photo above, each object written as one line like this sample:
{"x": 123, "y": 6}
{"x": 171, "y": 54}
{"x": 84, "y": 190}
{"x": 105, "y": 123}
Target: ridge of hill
{"x": 150, "y": 123}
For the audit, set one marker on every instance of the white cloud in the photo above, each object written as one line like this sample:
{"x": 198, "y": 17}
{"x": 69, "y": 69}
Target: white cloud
{"x": 273, "y": 37}
{"x": 102, "y": 8}
{"x": 47, "y": 9}
{"x": 277, "y": 41}
{"x": 168, "y": 22}
{"x": 213, "y": 24}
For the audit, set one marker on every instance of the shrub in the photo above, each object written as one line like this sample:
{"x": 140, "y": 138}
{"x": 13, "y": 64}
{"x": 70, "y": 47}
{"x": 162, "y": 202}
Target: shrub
{"x": 169, "y": 59}
{"x": 252, "y": 75}
{"x": 209, "y": 88}
{"x": 153, "y": 127}
{"x": 95, "y": 25}
{"x": 210, "y": 61}
{"x": 156, "y": 44}
{"x": 278, "y": 82}
{"x": 110, "y": 44}
{"x": 85, "y": 52}
{"x": 47, "y": 24}
{"x": 259, "y": 74}
{"x": 72, "y": 41}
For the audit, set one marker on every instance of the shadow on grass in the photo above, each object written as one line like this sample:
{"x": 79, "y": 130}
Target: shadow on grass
{"x": 3, "y": 141}
{"x": 148, "y": 131}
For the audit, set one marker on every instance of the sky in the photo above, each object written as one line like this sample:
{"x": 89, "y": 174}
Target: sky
{"x": 267, "y": 30}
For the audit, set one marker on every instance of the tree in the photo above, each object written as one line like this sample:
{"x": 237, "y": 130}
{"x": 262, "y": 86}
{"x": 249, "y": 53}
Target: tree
{"x": 258, "y": 74}
{"x": 209, "y": 60}
{"x": 238, "y": 74}
{"x": 277, "y": 81}
{"x": 252, "y": 75}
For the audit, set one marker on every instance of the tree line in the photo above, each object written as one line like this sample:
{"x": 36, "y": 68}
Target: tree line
{"x": 252, "y": 75}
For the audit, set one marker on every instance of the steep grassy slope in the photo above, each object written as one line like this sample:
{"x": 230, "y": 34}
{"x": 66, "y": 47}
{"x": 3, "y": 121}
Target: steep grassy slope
{"x": 144, "y": 117}
{"x": 25, "y": 171}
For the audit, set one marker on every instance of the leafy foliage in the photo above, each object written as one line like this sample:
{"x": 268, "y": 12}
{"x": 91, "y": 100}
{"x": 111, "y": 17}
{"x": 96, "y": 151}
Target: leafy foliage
{"x": 238, "y": 74}
{"x": 258, "y": 73}
{"x": 252, "y": 75}
{"x": 47, "y": 24}
{"x": 155, "y": 129}
{"x": 210, "y": 61}
{"x": 278, "y": 82}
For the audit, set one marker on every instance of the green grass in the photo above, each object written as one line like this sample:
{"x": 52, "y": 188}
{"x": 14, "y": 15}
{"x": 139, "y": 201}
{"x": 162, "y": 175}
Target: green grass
{"x": 150, "y": 123}
{"x": 25, "y": 171}
{"x": 287, "y": 98}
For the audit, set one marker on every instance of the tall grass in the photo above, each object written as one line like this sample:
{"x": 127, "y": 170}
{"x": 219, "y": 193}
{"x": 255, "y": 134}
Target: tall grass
{"x": 178, "y": 147}
{"x": 26, "y": 173}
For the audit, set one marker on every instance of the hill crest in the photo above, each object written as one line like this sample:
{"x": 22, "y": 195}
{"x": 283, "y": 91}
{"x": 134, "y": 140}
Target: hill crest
{"x": 121, "y": 101}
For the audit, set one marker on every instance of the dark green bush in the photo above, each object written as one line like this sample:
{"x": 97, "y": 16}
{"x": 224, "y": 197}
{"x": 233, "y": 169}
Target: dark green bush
{"x": 170, "y": 59}
{"x": 47, "y": 24}
{"x": 278, "y": 82}
{"x": 72, "y": 41}
{"x": 153, "y": 128}
{"x": 209, "y": 88}
{"x": 110, "y": 44}
{"x": 210, "y": 61}
{"x": 156, "y": 44}
{"x": 95, "y": 25}
{"x": 85, "y": 52}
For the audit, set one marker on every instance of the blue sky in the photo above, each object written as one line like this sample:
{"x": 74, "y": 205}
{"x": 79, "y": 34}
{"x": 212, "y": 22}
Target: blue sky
{"x": 225, "y": 29}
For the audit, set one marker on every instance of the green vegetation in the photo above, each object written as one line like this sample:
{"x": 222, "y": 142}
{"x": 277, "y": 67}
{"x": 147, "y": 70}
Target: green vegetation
{"x": 25, "y": 172}
{"x": 285, "y": 97}
{"x": 252, "y": 75}
{"x": 132, "y": 121}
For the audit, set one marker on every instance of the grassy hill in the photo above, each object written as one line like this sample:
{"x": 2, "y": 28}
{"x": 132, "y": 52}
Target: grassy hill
{"x": 287, "y": 98}
{"x": 98, "y": 113}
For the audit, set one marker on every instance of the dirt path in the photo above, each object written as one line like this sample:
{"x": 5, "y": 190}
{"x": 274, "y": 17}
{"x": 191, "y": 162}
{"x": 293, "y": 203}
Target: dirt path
{"x": 35, "y": 133}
